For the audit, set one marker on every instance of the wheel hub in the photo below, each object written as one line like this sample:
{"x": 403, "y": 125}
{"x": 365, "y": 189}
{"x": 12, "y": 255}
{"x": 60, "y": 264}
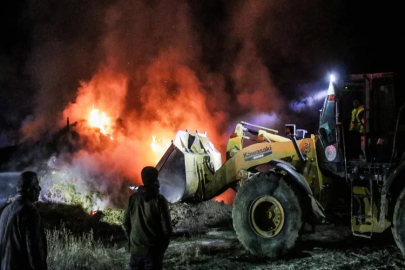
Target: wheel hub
{"x": 267, "y": 216}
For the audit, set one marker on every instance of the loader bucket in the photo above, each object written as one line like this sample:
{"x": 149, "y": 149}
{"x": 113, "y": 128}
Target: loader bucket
{"x": 183, "y": 168}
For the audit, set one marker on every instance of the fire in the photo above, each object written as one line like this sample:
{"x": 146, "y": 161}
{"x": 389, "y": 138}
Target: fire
{"x": 159, "y": 147}
{"x": 227, "y": 197}
{"x": 100, "y": 120}
{"x": 141, "y": 116}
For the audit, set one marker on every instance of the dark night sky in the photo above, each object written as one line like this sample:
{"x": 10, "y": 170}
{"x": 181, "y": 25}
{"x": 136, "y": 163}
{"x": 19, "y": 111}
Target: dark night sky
{"x": 54, "y": 44}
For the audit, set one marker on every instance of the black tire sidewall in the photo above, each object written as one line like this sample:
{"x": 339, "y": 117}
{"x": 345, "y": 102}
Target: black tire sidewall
{"x": 275, "y": 186}
{"x": 398, "y": 223}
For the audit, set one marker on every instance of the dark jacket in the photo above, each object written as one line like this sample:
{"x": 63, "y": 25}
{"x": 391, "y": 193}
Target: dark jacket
{"x": 22, "y": 237}
{"x": 147, "y": 222}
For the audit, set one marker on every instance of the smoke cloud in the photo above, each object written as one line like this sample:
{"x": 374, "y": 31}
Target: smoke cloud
{"x": 154, "y": 67}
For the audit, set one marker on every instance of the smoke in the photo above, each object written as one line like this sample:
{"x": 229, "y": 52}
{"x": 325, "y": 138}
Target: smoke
{"x": 253, "y": 83}
{"x": 154, "y": 67}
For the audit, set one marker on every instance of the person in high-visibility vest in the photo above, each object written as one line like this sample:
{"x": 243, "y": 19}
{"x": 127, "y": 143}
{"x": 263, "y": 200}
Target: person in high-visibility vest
{"x": 357, "y": 122}
{"x": 356, "y": 132}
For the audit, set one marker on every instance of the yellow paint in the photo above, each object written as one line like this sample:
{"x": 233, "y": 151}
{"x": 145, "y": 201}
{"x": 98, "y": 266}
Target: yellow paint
{"x": 370, "y": 223}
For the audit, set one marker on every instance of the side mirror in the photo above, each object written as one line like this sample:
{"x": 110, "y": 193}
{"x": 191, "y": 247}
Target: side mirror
{"x": 301, "y": 134}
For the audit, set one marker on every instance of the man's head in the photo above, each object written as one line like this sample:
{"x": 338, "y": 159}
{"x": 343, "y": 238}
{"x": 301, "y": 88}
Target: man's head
{"x": 150, "y": 176}
{"x": 28, "y": 186}
{"x": 356, "y": 103}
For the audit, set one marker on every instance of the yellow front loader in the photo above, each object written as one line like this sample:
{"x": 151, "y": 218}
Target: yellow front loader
{"x": 277, "y": 177}
{"x": 285, "y": 182}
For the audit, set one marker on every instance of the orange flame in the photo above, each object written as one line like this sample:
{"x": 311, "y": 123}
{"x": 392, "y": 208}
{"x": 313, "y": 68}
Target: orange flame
{"x": 146, "y": 130}
{"x": 159, "y": 145}
{"x": 227, "y": 197}
{"x": 100, "y": 120}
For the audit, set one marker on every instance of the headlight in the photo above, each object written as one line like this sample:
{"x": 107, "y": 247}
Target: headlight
{"x": 330, "y": 153}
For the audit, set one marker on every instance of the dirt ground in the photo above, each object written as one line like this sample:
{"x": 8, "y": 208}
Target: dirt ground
{"x": 329, "y": 248}
{"x": 204, "y": 239}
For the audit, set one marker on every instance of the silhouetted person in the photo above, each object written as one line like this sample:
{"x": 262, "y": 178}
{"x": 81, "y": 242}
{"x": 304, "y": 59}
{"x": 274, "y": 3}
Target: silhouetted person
{"x": 147, "y": 223}
{"x": 22, "y": 237}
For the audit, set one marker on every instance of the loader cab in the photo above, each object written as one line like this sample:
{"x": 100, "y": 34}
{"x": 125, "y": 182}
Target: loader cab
{"x": 337, "y": 143}
{"x": 376, "y": 92}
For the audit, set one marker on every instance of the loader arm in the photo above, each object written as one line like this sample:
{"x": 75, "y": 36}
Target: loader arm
{"x": 191, "y": 168}
{"x": 238, "y": 165}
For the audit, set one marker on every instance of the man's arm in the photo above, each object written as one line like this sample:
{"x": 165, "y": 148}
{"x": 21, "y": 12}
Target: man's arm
{"x": 353, "y": 119}
{"x": 166, "y": 222}
{"x": 126, "y": 225}
{"x": 36, "y": 240}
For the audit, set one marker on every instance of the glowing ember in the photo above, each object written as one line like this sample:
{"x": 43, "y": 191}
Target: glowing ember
{"x": 227, "y": 197}
{"x": 99, "y": 120}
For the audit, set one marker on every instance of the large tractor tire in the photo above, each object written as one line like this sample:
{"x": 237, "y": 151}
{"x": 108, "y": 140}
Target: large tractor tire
{"x": 398, "y": 221}
{"x": 267, "y": 215}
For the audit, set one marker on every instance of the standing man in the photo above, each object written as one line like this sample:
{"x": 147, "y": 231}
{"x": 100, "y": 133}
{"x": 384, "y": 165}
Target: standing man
{"x": 356, "y": 143}
{"x": 22, "y": 237}
{"x": 147, "y": 223}
{"x": 357, "y": 121}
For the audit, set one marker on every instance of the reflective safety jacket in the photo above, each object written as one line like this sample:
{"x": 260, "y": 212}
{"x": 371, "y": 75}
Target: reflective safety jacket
{"x": 356, "y": 123}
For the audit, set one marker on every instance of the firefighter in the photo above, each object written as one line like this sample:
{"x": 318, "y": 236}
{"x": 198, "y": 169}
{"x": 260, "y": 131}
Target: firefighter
{"x": 147, "y": 223}
{"x": 356, "y": 144}
{"x": 22, "y": 237}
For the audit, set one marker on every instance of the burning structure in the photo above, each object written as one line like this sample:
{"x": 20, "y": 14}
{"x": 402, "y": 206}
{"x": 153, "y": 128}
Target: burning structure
{"x": 139, "y": 79}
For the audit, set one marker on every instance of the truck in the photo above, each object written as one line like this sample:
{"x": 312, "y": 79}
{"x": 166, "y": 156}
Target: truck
{"x": 285, "y": 184}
